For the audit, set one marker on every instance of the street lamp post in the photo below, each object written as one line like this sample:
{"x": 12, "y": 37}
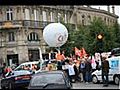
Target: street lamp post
{"x": 100, "y": 45}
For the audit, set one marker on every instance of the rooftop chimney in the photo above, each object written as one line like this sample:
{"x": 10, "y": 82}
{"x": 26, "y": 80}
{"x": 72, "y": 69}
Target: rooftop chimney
{"x": 113, "y": 9}
{"x": 108, "y": 8}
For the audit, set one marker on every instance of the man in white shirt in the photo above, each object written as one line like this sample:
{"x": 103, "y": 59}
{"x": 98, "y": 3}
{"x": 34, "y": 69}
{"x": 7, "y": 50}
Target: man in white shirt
{"x": 68, "y": 67}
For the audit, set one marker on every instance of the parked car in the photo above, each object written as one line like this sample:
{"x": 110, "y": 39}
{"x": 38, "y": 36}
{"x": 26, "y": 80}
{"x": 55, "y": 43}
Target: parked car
{"x": 114, "y": 71}
{"x": 50, "y": 80}
{"x": 115, "y": 51}
{"x": 29, "y": 66}
{"x": 0, "y": 72}
{"x": 16, "y": 79}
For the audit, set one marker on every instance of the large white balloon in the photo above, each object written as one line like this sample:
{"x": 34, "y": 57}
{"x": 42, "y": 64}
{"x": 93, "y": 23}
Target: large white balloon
{"x": 55, "y": 34}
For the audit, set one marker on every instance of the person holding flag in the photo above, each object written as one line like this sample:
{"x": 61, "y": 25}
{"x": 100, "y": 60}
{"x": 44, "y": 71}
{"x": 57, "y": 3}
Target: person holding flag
{"x": 78, "y": 52}
{"x": 81, "y": 53}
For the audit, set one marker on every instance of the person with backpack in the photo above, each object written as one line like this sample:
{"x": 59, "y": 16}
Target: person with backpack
{"x": 82, "y": 70}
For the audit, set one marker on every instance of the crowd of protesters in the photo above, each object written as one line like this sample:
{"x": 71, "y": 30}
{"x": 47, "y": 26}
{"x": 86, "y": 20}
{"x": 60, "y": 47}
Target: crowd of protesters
{"x": 77, "y": 69}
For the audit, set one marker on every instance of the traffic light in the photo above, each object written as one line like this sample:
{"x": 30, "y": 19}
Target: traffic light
{"x": 99, "y": 36}
{"x": 100, "y": 43}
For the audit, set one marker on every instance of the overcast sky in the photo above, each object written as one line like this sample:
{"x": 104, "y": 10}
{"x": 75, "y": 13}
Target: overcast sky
{"x": 117, "y": 9}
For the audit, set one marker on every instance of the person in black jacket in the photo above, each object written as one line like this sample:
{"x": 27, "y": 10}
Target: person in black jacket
{"x": 105, "y": 71}
{"x": 82, "y": 70}
{"x": 88, "y": 71}
{"x": 59, "y": 65}
{"x": 76, "y": 76}
{"x": 3, "y": 69}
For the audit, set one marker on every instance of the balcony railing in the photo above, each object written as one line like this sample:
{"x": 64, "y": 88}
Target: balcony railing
{"x": 35, "y": 24}
{"x": 26, "y": 23}
{"x": 10, "y": 24}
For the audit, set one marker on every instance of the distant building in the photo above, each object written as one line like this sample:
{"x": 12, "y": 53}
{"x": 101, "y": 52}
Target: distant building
{"x": 21, "y": 27}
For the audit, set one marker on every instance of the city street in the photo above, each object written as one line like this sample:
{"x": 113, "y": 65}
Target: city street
{"x": 94, "y": 86}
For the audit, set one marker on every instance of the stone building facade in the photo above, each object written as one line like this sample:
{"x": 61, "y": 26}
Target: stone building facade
{"x": 21, "y": 27}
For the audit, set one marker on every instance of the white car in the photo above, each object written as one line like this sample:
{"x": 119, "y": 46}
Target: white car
{"x": 29, "y": 64}
{"x": 19, "y": 72}
{"x": 114, "y": 71}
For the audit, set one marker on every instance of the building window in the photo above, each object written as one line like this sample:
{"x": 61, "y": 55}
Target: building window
{"x": 33, "y": 54}
{"x": 89, "y": 17}
{"x": 83, "y": 19}
{"x": 32, "y": 11}
{"x": 18, "y": 10}
{"x": 105, "y": 19}
{"x": 59, "y": 17}
{"x": 9, "y": 14}
{"x": 83, "y": 22}
{"x": 23, "y": 10}
{"x": 44, "y": 15}
{"x": 83, "y": 16}
{"x": 108, "y": 21}
{"x": 51, "y": 16}
{"x": 65, "y": 18}
{"x": 36, "y": 15}
{"x": 27, "y": 14}
{"x": 0, "y": 11}
{"x": 11, "y": 36}
{"x": 33, "y": 37}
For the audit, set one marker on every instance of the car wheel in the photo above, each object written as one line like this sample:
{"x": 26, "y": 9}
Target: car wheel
{"x": 116, "y": 80}
{"x": 10, "y": 85}
{"x": 94, "y": 79}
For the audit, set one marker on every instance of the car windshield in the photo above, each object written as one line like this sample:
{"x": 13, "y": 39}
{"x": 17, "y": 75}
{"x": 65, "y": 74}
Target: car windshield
{"x": 44, "y": 79}
{"x": 115, "y": 51}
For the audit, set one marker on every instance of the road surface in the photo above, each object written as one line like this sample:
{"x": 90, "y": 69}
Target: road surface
{"x": 79, "y": 85}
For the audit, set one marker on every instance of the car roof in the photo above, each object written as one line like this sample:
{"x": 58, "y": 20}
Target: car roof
{"x": 115, "y": 51}
{"x": 50, "y": 72}
{"x": 19, "y": 73}
{"x": 34, "y": 62}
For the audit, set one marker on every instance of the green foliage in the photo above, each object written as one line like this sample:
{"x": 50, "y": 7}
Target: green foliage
{"x": 86, "y": 36}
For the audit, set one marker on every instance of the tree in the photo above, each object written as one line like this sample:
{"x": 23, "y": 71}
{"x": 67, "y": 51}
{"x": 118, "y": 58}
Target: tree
{"x": 99, "y": 27}
{"x": 116, "y": 34}
{"x": 86, "y": 36}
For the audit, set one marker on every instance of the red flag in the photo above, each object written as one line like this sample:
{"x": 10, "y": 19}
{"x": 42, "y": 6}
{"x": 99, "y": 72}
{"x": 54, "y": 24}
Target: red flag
{"x": 84, "y": 52}
{"x": 78, "y": 52}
